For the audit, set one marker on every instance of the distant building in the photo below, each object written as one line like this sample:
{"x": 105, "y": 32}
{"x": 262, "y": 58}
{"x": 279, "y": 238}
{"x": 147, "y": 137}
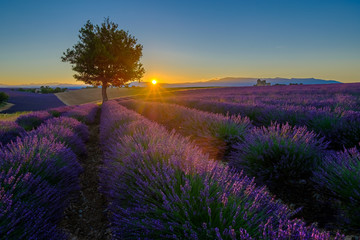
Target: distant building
{"x": 262, "y": 83}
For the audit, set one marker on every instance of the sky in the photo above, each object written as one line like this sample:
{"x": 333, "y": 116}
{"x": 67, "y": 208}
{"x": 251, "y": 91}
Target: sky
{"x": 187, "y": 41}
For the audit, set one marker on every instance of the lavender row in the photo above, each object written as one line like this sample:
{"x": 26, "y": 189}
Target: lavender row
{"x": 10, "y": 130}
{"x": 341, "y": 99}
{"x": 191, "y": 121}
{"x": 278, "y": 155}
{"x": 274, "y": 154}
{"x": 334, "y": 95}
{"x": 339, "y": 177}
{"x": 341, "y": 130}
{"x": 160, "y": 186}
{"x": 33, "y": 119}
{"x": 57, "y": 112}
{"x": 38, "y": 176}
{"x": 84, "y": 113}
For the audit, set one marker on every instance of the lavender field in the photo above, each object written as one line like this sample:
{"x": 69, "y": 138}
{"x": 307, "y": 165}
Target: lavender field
{"x": 27, "y": 101}
{"x": 279, "y": 162}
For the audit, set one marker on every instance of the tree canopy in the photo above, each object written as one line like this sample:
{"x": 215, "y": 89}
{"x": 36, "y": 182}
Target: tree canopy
{"x": 105, "y": 56}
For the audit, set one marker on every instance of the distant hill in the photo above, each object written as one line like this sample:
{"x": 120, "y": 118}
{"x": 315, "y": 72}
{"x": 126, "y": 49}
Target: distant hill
{"x": 223, "y": 82}
{"x": 239, "y": 82}
{"x": 53, "y": 85}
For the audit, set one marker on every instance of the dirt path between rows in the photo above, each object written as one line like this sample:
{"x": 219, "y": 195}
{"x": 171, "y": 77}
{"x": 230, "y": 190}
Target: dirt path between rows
{"x": 86, "y": 216}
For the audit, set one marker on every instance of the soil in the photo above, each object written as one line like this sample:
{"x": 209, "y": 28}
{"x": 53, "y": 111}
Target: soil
{"x": 86, "y": 217}
{"x": 215, "y": 147}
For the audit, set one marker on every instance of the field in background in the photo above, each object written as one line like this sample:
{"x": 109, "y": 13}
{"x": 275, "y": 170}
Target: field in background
{"x": 26, "y": 101}
{"x": 82, "y": 96}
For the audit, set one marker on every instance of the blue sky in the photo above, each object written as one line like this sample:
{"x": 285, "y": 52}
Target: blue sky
{"x": 189, "y": 40}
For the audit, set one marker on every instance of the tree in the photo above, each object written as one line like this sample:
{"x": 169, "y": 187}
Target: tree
{"x": 3, "y": 97}
{"x": 105, "y": 56}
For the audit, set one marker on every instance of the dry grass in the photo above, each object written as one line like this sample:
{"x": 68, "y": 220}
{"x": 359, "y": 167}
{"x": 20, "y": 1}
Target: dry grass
{"x": 82, "y": 96}
{"x": 11, "y": 116}
{"x": 5, "y": 106}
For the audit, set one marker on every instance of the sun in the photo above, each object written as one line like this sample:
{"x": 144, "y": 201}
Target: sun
{"x": 153, "y": 81}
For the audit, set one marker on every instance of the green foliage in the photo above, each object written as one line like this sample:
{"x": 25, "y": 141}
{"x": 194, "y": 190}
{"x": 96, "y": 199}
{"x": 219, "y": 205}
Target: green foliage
{"x": 43, "y": 89}
{"x": 234, "y": 129}
{"x": 105, "y": 56}
{"x": 48, "y": 89}
{"x": 279, "y": 154}
{"x": 339, "y": 176}
{"x": 3, "y": 97}
{"x": 205, "y": 214}
{"x": 33, "y": 90}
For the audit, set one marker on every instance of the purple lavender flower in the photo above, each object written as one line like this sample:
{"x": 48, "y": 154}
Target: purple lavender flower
{"x": 193, "y": 122}
{"x": 37, "y": 177}
{"x": 44, "y": 157}
{"x": 9, "y": 131}
{"x": 57, "y": 112}
{"x": 339, "y": 176}
{"x": 296, "y": 230}
{"x": 61, "y": 134}
{"x": 84, "y": 113}
{"x": 80, "y": 128}
{"x": 329, "y": 111}
{"x": 32, "y": 120}
{"x": 279, "y": 153}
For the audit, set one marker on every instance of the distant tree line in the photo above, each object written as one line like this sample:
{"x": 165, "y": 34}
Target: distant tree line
{"x": 3, "y": 97}
{"x": 42, "y": 89}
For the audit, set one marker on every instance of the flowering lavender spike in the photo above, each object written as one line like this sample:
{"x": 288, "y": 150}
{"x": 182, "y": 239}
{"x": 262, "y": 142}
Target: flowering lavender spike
{"x": 9, "y": 131}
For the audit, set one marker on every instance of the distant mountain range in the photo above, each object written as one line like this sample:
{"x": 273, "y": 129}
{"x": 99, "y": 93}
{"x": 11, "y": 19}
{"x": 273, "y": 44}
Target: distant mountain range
{"x": 240, "y": 82}
{"x": 53, "y": 85}
{"x": 222, "y": 82}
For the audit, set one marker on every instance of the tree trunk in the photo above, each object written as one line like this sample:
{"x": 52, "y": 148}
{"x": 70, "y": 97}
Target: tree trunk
{"x": 104, "y": 94}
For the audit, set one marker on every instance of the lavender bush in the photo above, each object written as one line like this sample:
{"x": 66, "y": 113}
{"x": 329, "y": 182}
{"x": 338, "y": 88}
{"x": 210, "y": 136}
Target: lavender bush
{"x": 26, "y": 210}
{"x": 339, "y": 175}
{"x": 57, "y": 112}
{"x": 193, "y": 122}
{"x": 84, "y": 113}
{"x": 295, "y": 229}
{"x": 9, "y": 131}
{"x": 79, "y": 128}
{"x": 112, "y": 118}
{"x": 32, "y": 120}
{"x": 36, "y": 179}
{"x": 60, "y": 134}
{"x": 160, "y": 185}
{"x": 279, "y": 153}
